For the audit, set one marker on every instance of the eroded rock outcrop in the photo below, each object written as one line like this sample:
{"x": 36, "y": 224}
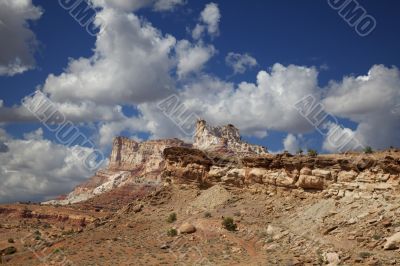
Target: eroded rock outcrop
{"x": 131, "y": 162}
{"x": 219, "y": 156}
{"x": 225, "y": 139}
{"x": 334, "y": 175}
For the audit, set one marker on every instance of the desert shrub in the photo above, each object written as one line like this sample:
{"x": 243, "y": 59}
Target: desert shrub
{"x": 229, "y": 224}
{"x": 57, "y": 250}
{"x": 207, "y": 215}
{"x": 364, "y": 255}
{"x": 368, "y": 150}
{"x": 171, "y": 218}
{"x": 312, "y": 152}
{"x": 377, "y": 237}
{"x": 172, "y": 232}
{"x": 10, "y": 240}
{"x": 9, "y": 251}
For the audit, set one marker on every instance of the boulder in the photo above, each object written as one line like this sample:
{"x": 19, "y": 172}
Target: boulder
{"x": 256, "y": 175}
{"x": 234, "y": 176}
{"x": 305, "y": 171}
{"x": 392, "y": 242}
{"x": 187, "y": 228}
{"x": 347, "y": 176}
{"x": 326, "y": 174}
{"x": 284, "y": 180}
{"x": 332, "y": 258}
{"x": 310, "y": 182}
{"x": 217, "y": 172}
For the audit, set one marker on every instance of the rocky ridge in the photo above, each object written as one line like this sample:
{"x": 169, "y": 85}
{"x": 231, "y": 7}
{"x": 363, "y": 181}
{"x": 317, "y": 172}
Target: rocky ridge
{"x": 219, "y": 156}
{"x": 225, "y": 139}
{"x": 133, "y": 162}
{"x": 355, "y": 175}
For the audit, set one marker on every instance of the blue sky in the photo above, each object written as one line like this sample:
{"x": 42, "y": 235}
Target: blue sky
{"x": 308, "y": 35}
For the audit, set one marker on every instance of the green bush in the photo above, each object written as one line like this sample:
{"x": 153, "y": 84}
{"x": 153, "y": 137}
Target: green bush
{"x": 368, "y": 150}
{"x": 229, "y": 224}
{"x": 171, "y": 218}
{"x": 312, "y": 152}
{"x": 172, "y": 232}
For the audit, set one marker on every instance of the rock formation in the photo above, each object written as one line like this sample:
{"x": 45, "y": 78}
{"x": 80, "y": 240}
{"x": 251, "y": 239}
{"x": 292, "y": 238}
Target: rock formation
{"x": 130, "y": 163}
{"x": 219, "y": 156}
{"x": 342, "y": 175}
{"x": 223, "y": 139}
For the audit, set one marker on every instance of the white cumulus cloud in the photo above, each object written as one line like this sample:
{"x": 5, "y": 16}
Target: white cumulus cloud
{"x": 211, "y": 16}
{"x": 240, "y": 62}
{"x": 37, "y": 169}
{"x": 209, "y": 20}
{"x": 192, "y": 57}
{"x": 368, "y": 101}
{"x": 18, "y": 42}
{"x": 133, "y": 5}
{"x": 131, "y": 64}
{"x": 291, "y": 143}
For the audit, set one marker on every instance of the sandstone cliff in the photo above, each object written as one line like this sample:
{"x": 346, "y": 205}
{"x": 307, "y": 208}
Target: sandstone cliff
{"x": 225, "y": 139}
{"x": 130, "y": 163}
{"x": 219, "y": 156}
{"x": 334, "y": 175}
{"x": 133, "y": 162}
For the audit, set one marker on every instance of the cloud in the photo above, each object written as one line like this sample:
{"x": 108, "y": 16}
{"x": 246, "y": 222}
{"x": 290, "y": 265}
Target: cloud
{"x": 341, "y": 139}
{"x": 3, "y": 137}
{"x": 198, "y": 31}
{"x": 133, "y": 5}
{"x": 26, "y": 174}
{"x": 192, "y": 57}
{"x": 108, "y": 130}
{"x": 291, "y": 144}
{"x": 18, "y": 42}
{"x": 211, "y": 17}
{"x": 85, "y": 111}
{"x": 131, "y": 64}
{"x": 254, "y": 108}
{"x": 34, "y": 135}
{"x": 240, "y": 62}
{"x": 166, "y": 5}
{"x": 209, "y": 20}
{"x": 368, "y": 101}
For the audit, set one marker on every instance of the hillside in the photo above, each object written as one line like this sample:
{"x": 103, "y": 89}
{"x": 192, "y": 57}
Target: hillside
{"x": 336, "y": 209}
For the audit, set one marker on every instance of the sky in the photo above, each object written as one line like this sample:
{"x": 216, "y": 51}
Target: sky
{"x": 147, "y": 69}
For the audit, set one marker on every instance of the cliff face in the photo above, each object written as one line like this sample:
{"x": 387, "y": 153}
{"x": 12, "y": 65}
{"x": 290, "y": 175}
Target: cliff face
{"x": 218, "y": 156}
{"x": 130, "y": 163}
{"x": 337, "y": 175}
{"x": 223, "y": 139}
{"x": 145, "y": 157}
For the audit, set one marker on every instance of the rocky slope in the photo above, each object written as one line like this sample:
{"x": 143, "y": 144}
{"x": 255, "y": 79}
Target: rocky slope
{"x": 338, "y": 209}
